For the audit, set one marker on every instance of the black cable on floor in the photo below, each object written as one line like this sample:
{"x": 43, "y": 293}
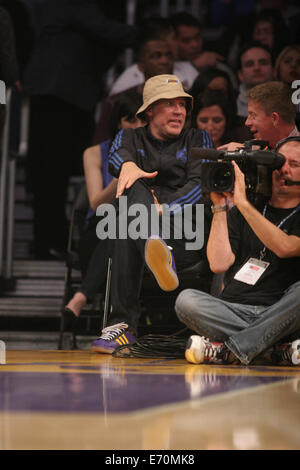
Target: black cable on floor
{"x": 161, "y": 346}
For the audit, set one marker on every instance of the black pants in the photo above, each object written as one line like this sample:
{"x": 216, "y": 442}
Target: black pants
{"x": 128, "y": 263}
{"x": 59, "y": 133}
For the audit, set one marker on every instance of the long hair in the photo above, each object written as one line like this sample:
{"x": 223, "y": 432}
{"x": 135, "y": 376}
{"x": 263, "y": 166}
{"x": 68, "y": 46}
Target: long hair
{"x": 214, "y": 98}
{"x": 126, "y": 106}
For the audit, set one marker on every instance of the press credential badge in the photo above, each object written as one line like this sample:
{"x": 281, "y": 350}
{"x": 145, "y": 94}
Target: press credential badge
{"x": 252, "y": 270}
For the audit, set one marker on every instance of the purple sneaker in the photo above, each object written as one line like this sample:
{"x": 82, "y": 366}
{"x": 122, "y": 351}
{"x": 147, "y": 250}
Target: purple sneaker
{"x": 160, "y": 261}
{"x": 112, "y": 337}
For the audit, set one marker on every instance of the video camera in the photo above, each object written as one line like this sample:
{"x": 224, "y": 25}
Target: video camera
{"x": 257, "y": 166}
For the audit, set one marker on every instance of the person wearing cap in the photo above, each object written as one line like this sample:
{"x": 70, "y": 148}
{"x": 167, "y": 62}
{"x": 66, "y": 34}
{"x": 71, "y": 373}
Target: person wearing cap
{"x": 258, "y": 247}
{"x": 154, "y": 168}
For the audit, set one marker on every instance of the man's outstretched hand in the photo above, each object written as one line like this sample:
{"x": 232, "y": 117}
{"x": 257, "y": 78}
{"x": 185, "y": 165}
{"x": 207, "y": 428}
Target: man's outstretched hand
{"x": 130, "y": 172}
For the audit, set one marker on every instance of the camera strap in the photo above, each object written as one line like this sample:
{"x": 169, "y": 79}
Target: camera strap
{"x": 279, "y": 225}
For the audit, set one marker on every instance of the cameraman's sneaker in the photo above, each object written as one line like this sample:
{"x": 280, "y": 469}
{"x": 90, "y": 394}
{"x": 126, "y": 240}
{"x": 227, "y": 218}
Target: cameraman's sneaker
{"x": 160, "y": 261}
{"x": 200, "y": 350}
{"x": 112, "y": 337}
{"x": 287, "y": 353}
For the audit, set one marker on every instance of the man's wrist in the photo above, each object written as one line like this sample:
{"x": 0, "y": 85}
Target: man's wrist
{"x": 218, "y": 208}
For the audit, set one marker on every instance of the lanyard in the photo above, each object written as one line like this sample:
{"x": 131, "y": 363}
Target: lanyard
{"x": 263, "y": 251}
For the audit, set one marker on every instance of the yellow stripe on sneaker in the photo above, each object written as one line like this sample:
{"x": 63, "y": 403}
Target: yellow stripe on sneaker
{"x": 125, "y": 339}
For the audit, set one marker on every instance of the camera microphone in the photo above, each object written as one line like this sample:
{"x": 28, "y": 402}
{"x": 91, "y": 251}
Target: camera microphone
{"x": 207, "y": 154}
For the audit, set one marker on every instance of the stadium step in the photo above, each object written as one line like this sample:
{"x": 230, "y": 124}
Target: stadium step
{"x": 30, "y": 313}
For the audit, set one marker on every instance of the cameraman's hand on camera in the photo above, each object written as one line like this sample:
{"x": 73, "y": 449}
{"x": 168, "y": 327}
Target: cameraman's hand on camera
{"x": 218, "y": 199}
{"x": 239, "y": 196}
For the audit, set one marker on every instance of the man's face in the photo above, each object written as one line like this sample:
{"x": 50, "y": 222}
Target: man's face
{"x": 261, "y": 124}
{"x": 256, "y": 67}
{"x": 289, "y": 171}
{"x": 263, "y": 32}
{"x": 157, "y": 59}
{"x": 189, "y": 42}
{"x": 167, "y": 117}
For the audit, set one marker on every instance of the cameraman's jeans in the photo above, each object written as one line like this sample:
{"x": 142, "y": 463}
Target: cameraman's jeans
{"x": 247, "y": 330}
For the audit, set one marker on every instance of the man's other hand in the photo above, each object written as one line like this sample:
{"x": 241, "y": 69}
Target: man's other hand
{"x": 231, "y": 146}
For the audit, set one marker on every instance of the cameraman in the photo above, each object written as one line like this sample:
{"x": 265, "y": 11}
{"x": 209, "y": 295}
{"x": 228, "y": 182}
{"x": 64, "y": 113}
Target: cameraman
{"x": 259, "y": 248}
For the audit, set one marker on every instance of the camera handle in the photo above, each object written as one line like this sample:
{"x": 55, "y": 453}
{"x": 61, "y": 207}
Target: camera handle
{"x": 263, "y": 144}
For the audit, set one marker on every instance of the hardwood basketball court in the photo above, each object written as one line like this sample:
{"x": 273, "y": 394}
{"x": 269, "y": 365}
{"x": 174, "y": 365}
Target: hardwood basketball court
{"x": 84, "y": 400}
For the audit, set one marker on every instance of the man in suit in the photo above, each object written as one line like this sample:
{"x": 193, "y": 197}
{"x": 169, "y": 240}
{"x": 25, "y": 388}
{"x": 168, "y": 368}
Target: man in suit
{"x": 76, "y": 45}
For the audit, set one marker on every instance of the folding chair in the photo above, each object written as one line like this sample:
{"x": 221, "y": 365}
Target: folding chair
{"x": 73, "y": 275}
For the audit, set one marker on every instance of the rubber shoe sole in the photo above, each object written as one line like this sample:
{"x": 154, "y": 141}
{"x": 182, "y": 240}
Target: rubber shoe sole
{"x": 157, "y": 256}
{"x": 102, "y": 350}
{"x": 194, "y": 350}
{"x": 295, "y": 352}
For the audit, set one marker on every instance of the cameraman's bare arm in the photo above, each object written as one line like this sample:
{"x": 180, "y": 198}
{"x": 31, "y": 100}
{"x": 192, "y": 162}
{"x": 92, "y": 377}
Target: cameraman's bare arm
{"x": 275, "y": 239}
{"x": 219, "y": 252}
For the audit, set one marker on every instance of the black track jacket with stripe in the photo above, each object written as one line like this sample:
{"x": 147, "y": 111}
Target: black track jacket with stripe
{"x": 179, "y": 176}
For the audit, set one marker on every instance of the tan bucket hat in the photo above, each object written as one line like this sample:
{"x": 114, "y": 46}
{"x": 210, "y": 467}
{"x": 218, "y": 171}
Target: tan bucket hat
{"x": 162, "y": 87}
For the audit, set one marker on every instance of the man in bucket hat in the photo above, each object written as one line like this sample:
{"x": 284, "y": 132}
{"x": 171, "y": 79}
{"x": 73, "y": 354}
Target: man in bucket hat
{"x": 153, "y": 168}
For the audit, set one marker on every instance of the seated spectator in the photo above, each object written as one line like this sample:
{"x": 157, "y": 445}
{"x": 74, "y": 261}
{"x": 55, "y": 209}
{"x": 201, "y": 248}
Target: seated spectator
{"x": 212, "y": 114}
{"x": 287, "y": 69}
{"x": 101, "y": 188}
{"x": 266, "y": 26}
{"x": 287, "y": 65}
{"x": 270, "y": 29}
{"x": 154, "y": 168}
{"x": 155, "y": 28}
{"x": 191, "y": 45}
{"x": 154, "y": 57}
{"x": 271, "y": 114}
{"x": 214, "y": 79}
{"x": 254, "y": 67}
{"x": 258, "y": 247}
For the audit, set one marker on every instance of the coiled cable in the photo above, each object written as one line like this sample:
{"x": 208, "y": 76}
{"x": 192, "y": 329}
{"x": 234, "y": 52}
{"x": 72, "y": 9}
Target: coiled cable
{"x": 162, "y": 346}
